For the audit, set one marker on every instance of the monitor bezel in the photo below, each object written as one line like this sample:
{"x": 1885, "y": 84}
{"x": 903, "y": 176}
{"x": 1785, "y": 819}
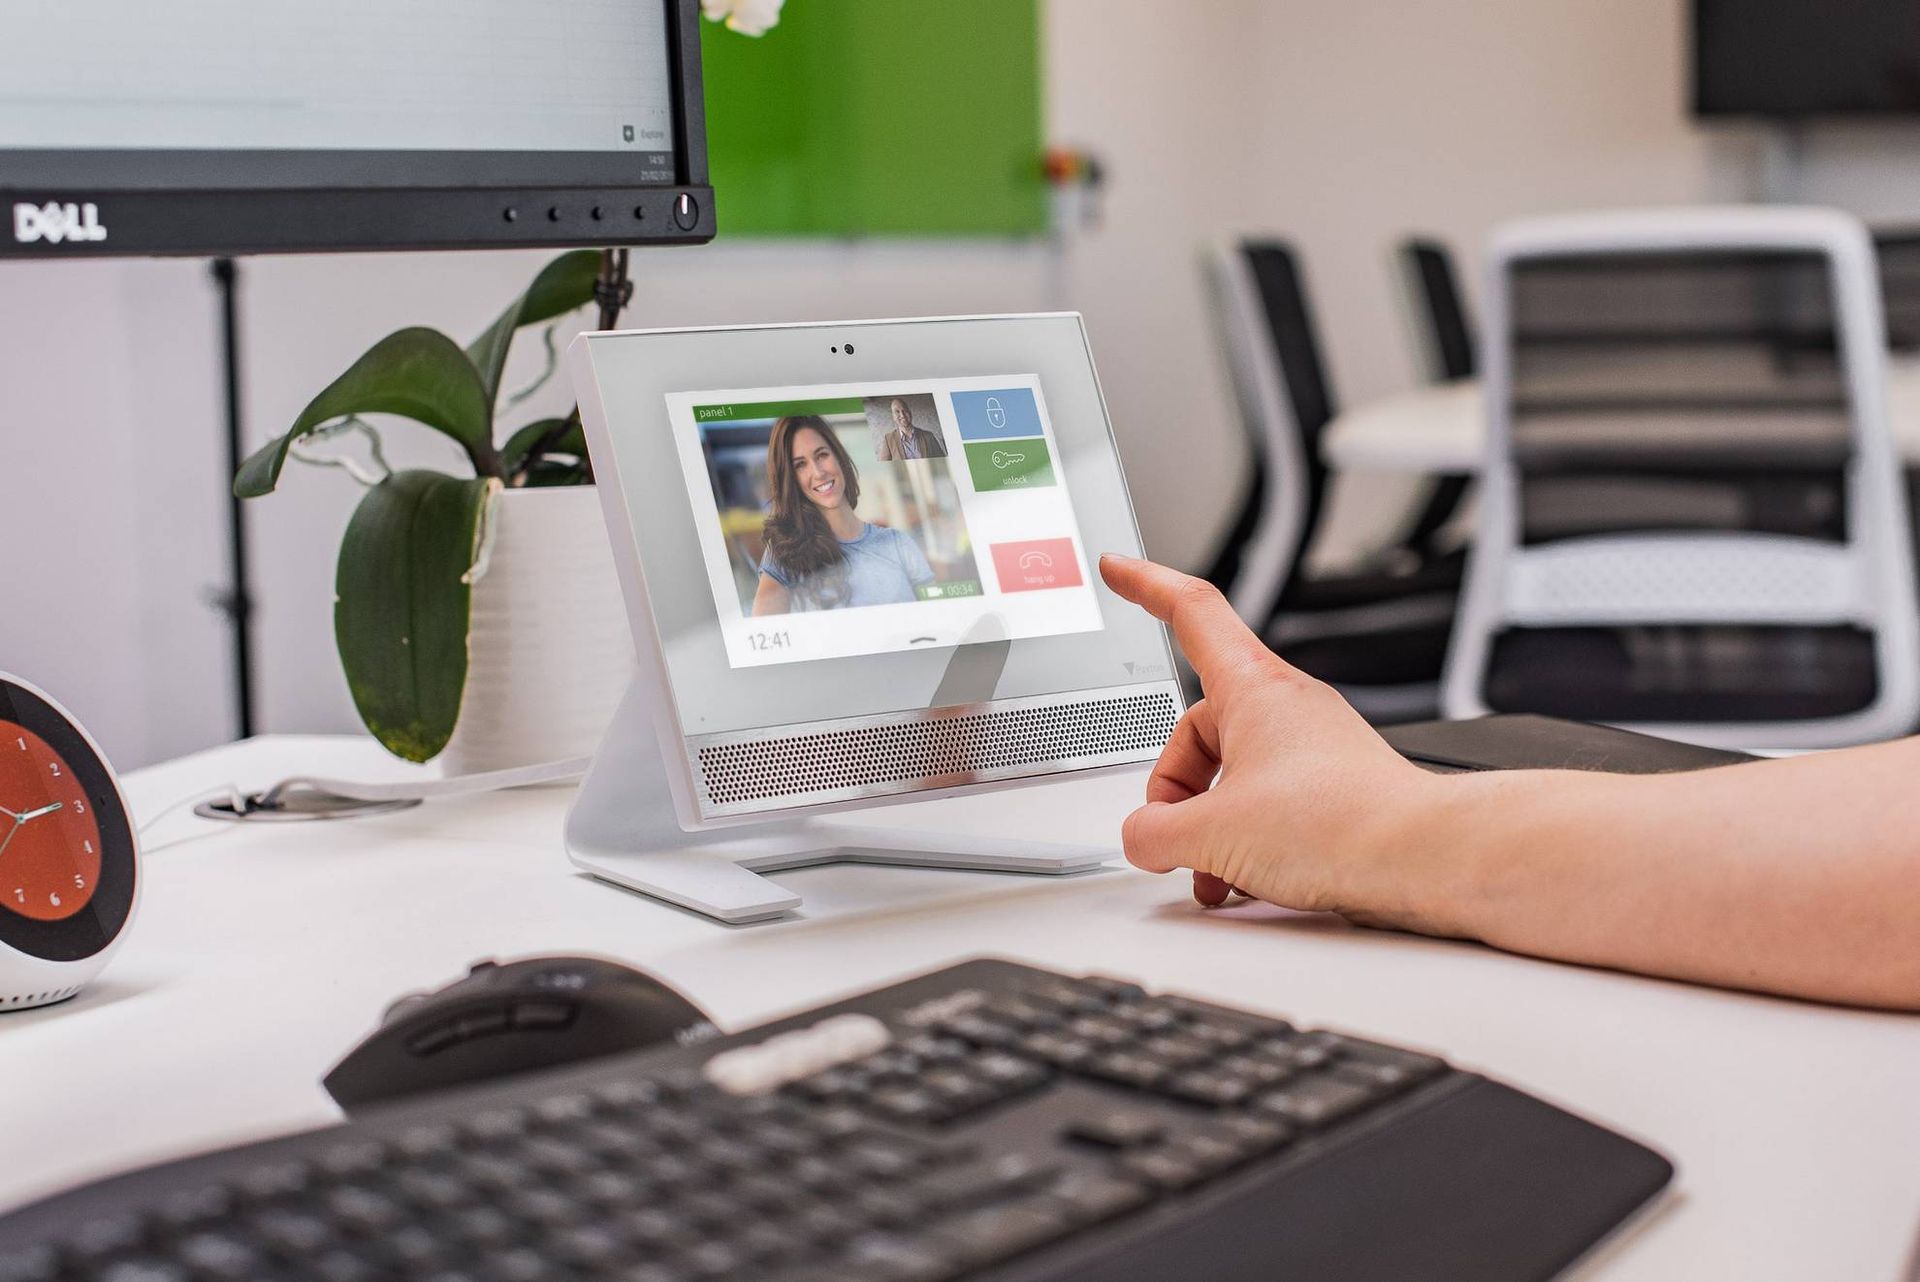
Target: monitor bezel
{"x": 680, "y": 744}
{"x": 252, "y": 202}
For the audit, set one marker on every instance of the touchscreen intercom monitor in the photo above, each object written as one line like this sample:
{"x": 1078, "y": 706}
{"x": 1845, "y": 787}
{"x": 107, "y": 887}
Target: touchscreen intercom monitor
{"x": 862, "y": 557}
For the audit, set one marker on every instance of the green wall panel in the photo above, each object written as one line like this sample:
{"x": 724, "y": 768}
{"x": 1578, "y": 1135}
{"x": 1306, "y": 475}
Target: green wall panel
{"x": 879, "y": 118}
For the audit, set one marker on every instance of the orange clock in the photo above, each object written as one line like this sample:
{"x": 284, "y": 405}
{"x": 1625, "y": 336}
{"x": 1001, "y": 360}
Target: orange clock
{"x": 67, "y": 853}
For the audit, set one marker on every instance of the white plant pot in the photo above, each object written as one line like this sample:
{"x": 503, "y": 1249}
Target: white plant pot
{"x": 548, "y": 653}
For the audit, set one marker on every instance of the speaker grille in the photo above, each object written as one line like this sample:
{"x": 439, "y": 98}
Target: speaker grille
{"x": 944, "y": 749}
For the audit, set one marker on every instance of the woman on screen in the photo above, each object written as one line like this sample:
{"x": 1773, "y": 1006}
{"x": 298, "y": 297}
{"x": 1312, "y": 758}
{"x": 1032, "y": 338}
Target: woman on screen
{"x": 820, "y": 555}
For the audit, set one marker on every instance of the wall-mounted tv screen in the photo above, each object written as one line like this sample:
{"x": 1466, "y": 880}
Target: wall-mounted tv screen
{"x": 1793, "y": 58}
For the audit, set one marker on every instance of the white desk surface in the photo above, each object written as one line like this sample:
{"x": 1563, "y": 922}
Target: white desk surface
{"x": 1443, "y": 428}
{"x": 260, "y": 954}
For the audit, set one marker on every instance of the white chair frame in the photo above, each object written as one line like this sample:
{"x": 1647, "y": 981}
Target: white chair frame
{"x": 1667, "y": 578}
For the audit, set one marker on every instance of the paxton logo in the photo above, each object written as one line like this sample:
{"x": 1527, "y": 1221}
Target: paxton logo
{"x": 54, "y": 222}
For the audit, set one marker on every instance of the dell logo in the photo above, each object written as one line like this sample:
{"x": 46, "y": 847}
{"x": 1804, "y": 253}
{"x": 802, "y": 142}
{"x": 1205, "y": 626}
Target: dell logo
{"x": 54, "y": 222}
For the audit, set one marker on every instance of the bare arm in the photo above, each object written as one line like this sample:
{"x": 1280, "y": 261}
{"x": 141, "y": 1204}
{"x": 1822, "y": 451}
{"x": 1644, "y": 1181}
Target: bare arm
{"x": 770, "y": 598}
{"x": 1798, "y": 876}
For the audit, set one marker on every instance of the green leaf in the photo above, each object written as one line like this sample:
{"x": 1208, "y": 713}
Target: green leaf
{"x": 402, "y": 603}
{"x": 562, "y": 285}
{"x": 567, "y": 439}
{"x": 417, "y": 373}
{"x": 550, "y": 472}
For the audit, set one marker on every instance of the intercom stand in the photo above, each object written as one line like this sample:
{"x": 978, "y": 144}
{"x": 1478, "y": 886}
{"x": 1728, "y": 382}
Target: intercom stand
{"x": 622, "y": 829}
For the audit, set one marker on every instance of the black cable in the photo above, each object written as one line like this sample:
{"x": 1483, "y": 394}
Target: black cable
{"x": 236, "y": 602}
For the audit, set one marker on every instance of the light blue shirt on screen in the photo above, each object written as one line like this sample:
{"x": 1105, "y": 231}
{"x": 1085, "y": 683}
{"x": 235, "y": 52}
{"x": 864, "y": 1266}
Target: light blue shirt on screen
{"x": 883, "y": 568}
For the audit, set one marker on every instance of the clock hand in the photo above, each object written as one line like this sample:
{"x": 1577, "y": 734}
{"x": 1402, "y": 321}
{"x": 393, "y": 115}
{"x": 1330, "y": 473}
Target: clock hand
{"x": 44, "y": 810}
{"x": 9, "y": 814}
{"x": 5, "y": 842}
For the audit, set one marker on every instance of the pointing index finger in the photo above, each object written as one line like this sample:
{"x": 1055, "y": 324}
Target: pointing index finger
{"x": 1214, "y": 638}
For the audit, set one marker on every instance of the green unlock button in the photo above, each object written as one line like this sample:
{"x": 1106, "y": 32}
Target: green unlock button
{"x": 1010, "y": 465}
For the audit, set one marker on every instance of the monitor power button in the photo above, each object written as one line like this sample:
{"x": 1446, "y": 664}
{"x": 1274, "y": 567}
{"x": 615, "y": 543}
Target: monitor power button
{"x": 686, "y": 212}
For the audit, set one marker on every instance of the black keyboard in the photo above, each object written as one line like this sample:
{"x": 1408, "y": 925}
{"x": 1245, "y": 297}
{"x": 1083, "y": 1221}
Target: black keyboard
{"x": 988, "y": 1120}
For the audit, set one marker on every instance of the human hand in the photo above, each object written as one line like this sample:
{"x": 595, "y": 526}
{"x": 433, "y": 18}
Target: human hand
{"x": 1272, "y": 785}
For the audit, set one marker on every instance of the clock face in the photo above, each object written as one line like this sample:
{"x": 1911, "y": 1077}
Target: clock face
{"x": 49, "y": 835}
{"x": 67, "y": 862}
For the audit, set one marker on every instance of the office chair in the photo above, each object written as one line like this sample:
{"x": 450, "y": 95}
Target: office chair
{"x": 1692, "y": 520}
{"x": 1437, "y": 313}
{"x": 1379, "y": 637}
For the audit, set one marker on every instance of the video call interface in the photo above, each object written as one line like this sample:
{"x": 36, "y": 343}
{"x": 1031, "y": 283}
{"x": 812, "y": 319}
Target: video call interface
{"x": 845, "y": 519}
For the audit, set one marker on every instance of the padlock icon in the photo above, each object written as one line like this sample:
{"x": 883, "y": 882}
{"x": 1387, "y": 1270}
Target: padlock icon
{"x": 996, "y": 416}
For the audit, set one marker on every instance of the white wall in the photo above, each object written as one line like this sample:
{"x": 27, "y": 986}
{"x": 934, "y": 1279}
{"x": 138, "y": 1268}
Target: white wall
{"x": 1342, "y": 124}
{"x": 110, "y": 493}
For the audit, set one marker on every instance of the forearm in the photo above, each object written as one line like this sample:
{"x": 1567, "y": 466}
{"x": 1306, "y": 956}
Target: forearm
{"x": 1797, "y": 876}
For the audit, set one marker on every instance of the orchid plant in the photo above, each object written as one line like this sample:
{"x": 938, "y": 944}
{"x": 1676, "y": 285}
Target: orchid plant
{"x": 403, "y": 585}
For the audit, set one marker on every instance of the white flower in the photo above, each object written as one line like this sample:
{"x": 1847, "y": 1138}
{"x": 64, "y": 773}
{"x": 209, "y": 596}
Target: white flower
{"x": 748, "y": 17}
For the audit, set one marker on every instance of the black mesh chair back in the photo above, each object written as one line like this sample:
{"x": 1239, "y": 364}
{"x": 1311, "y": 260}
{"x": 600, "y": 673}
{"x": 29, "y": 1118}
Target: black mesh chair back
{"x": 1440, "y": 309}
{"x": 1445, "y": 336}
{"x": 1286, "y": 402}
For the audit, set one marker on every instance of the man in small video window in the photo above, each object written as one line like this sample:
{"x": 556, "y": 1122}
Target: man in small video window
{"x": 908, "y": 440}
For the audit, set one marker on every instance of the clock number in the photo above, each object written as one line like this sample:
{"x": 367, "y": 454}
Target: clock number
{"x": 88, "y": 845}
{"x": 22, "y": 743}
{"x": 79, "y": 807}
{"x": 20, "y": 894}
{"x": 54, "y": 898}
{"x": 79, "y": 882}
{"x": 55, "y": 767}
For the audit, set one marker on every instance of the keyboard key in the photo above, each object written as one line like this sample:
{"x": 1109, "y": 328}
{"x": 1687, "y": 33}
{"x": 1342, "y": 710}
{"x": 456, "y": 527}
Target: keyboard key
{"x": 1205, "y": 1087}
{"x": 886, "y": 1258}
{"x": 34, "y": 1264}
{"x": 1162, "y": 1168}
{"x": 1118, "y": 1128}
{"x": 1102, "y": 1031}
{"x": 194, "y": 1206}
{"x": 343, "y": 1264}
{"x": 1259, "y": 1133}
{"x": 1127, "y": 1069}
{"x": 144, "y": 1270}
{"x": 1059, "y": 1049}
{"x": 1211, "y": 1153}
{"x": 297, "y": 1233}
{"x": 107, "y": 1235}
{"x": 1085, "y": 1198}
{"x": 221, "y": 1256}
{"x": 1001, "y": 1232}
{"x": 482, "y": 1226}
{"x": 974, "y": 1182}
{"x": 1178, "y": 1051}
{"x": 1313, "y": 1102}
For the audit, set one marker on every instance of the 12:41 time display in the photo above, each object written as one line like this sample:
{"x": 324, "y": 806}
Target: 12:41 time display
{"x": 769, "y": 640}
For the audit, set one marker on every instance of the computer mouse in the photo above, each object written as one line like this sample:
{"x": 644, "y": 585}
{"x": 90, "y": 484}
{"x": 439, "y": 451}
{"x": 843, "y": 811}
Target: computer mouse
{"x": 511, "y": 1017}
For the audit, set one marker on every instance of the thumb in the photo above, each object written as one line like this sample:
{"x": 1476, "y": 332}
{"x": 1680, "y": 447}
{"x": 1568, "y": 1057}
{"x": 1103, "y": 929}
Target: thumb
{"x": 1163, "y": 835}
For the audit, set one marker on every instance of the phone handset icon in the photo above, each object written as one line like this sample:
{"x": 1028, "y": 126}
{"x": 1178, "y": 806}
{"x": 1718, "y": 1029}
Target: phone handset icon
{"x": 996, "y": 416}
{"x": 1029, "y": 560}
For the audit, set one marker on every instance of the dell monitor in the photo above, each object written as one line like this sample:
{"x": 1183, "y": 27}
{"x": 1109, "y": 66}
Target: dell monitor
{"x": 230, "y": 127}
{"x": 860, "y": 566}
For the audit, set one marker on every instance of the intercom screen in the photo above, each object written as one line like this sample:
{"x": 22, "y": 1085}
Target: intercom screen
{"x": 851, "y": 519}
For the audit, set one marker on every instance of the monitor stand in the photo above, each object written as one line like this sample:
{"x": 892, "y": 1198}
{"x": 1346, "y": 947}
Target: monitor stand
{"x": 622, "y": 829}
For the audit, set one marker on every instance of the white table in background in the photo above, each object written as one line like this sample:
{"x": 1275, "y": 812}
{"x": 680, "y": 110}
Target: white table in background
{"x": 260, "y": 954}
{"x": 1443, "y": 428}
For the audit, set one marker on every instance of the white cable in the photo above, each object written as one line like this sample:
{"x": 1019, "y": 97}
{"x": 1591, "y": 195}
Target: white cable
{"x": 229, "y": 791}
